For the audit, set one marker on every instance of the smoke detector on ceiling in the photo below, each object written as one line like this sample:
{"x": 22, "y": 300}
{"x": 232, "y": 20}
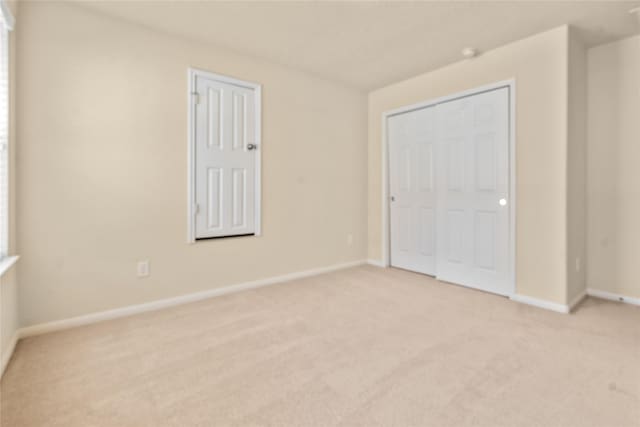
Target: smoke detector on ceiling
{"x": 469, "y": 52}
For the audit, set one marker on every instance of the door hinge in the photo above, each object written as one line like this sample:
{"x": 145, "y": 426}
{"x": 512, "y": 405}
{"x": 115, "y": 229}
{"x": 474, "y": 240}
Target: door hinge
{"x": 196, "y": 97}
{"x": 196, "y": 209}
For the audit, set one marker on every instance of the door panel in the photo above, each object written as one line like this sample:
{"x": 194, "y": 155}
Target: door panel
{"x": 425, "y": 171}
{"x": 238, "y": 120}
{"x": 485, "y": 161}
{"x": 455, "y": 163}
{"x": 214, "y": 118}
{"x": 474, "y": 233}
{"x": 225, "y": 167}
{"x": 239, "y": 192}
{"x": 404, "y": 230}
{"x": 427, "y": 235}
{"x": 455, "y": 240}
{"x": 485, "y": 240}
{"x": 214, "y": 198}
{"x": 411, "y": 139}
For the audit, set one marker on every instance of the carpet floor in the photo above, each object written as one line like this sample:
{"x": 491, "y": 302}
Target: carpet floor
{"x": 359, "y": 347}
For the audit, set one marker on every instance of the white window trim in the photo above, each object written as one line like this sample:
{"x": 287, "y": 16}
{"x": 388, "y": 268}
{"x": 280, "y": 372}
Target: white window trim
{"x": 6, "y": 263}
{"x": 193, "y": 73}
{"x": 8, "y": 22}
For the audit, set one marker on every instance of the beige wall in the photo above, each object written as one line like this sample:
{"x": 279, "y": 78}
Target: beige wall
{"x": 103, "y": 167}
{"x": 539, "y": 65}
{"x": 8, "y": 281}
{"x": 612, "y": 167}
{"x": 576, "y": 169}
{"x": 102, "y": 164}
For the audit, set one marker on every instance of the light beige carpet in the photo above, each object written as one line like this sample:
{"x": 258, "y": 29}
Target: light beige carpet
{"x": 360, "y": 347}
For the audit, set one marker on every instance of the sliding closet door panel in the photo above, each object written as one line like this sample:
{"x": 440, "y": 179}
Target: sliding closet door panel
{"x": 411, "y": 139}
{"x": 473, "y": 178}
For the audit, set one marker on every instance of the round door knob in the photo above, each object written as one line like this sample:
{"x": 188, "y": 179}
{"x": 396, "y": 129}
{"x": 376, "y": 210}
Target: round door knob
{"x": 251, "y": 146}
{"x": 503, "y": 202}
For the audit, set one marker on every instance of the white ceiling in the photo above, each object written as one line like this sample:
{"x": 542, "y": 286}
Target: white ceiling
{"x": 371, "y": 44}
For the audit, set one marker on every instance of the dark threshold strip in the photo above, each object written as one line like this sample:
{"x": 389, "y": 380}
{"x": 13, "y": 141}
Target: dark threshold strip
{"x": 225, "y": 237}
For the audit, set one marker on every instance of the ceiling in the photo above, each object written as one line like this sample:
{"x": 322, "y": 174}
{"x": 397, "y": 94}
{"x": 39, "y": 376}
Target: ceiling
{"x": 368, "y": 45}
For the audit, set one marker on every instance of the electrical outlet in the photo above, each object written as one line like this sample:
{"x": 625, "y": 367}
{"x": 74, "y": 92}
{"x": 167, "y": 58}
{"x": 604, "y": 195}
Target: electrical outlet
{"x": 143, "y": 268}
{"x": 350, "y": 239}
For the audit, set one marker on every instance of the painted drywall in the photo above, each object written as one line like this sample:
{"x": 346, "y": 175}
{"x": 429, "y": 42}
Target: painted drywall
{"x": 103, "y": 167}
{"x": 8, "y": 281}
{"x": 371, "y": 44}
{"x": 576, "y": 168}
{"x": 613, "y": 194}
{"x": 539, "y": 65}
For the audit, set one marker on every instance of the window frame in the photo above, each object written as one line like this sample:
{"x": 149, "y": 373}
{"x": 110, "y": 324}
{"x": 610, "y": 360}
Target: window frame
{"x": 6, "y": 26}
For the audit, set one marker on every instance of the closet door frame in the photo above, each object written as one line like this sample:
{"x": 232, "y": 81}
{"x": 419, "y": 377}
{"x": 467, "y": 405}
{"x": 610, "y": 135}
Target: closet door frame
{"x": 386, "y": 229}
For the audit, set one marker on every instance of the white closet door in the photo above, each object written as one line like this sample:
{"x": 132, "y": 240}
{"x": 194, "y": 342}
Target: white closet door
{"x": 411, "y": 139}
{"x": 473, "y": 189}
{"x": 225, "y": 182}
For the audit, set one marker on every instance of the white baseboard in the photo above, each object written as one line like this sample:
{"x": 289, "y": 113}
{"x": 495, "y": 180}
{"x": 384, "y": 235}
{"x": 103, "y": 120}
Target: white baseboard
{"x": 547, "y": 305}
{"x": 8, "y": 352}
{"x": 170, "y": 302}
{"x": 613, "y": 297}
{"x": 376, "y": 262}
{"x": 582, "y": 295}
{"x": 562, "y": 308}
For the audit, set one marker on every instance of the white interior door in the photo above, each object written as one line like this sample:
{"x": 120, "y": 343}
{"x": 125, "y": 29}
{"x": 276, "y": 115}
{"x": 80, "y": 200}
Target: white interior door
{"x": 473, "y": 189}
{"x": 411, "y": 139}
{"x": 225, "y": 163}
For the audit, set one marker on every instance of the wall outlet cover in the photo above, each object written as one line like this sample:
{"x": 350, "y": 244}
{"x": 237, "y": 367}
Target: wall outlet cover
{"x": 143, "y": 268}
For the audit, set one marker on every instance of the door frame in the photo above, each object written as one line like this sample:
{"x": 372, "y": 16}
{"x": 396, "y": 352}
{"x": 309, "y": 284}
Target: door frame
{"x": 193, "y": 74}
{"x": 386, "y": 226}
